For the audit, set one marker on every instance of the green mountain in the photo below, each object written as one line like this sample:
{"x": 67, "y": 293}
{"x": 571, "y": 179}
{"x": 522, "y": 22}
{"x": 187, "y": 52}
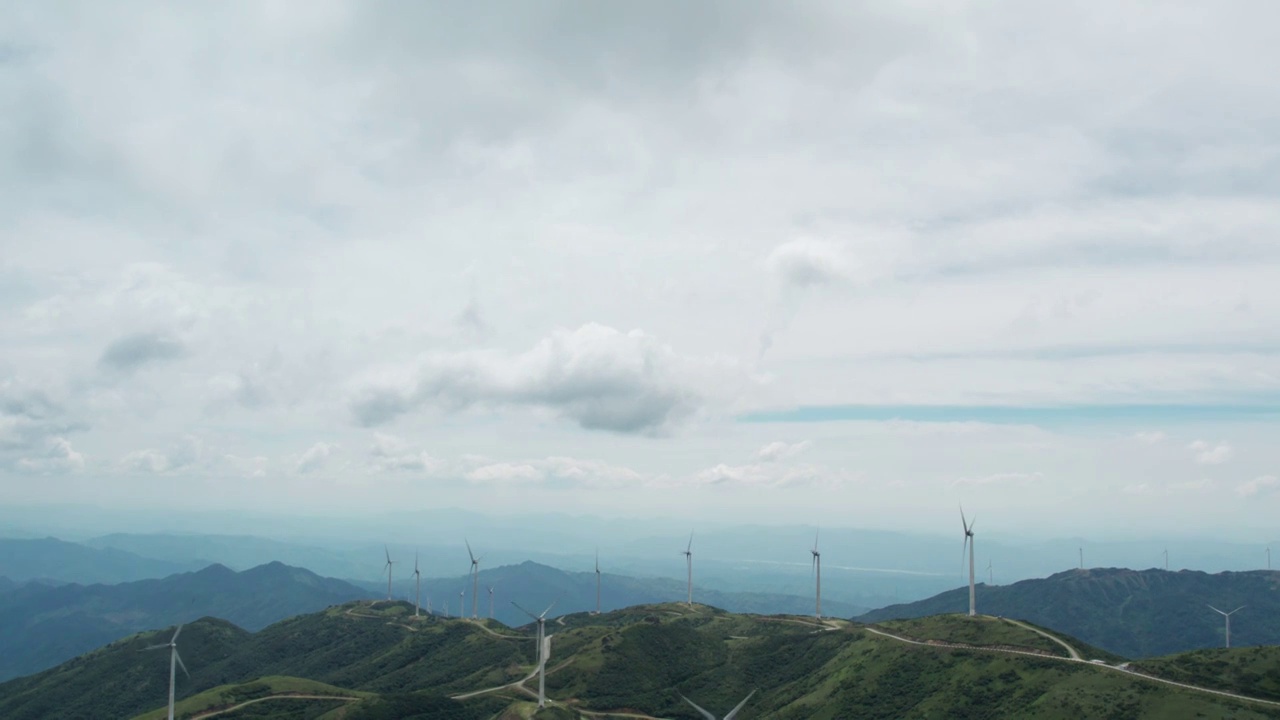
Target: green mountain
{"x": 67, "y": 562}
{"x": 364, "y": 661}
{"x": 41, "y": 626}
{"x": 1135, "y": 613}
{"x": 536, "y": 585}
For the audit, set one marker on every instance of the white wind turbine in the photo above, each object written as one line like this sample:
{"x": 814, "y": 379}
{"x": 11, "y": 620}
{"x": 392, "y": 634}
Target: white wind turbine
{"x": 173, "y": 658}
{"x": 991, "y": 578}
{"x": 732, "y": 713}
{"x": 543, "y": 649}
{"x": 1268, "y": 558}
{"x": 462, "y": 603}
{"x": 598, "y": 578}
{"x": 475, "y": 584}
{"x": 688, "y": 556}
{"x": 389, "y": 564}
{"x": 490, "y": 602}
{"x": 816, "y": 568}
{"x": 968, "y": 543}
{"x": 1227, "y": 615}
{"x": 1081, "y": 558}
{"x": 417, "y": 578}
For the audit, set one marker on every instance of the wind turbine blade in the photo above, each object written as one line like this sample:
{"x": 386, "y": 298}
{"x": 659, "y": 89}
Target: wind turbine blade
{"x": 553, "y": 604}
{"x": 387, "y": 550}
{"x": 695, "y": 705}
{"x": 175, "y": 634}
{"x": 815, "y": 540}
{"x": 469, "y": 553}
{"x": 690, "y": 547}
{"x": 526, "y": 612}
{"x": 415, "y": 563}
{"x": 598, "y": 559}
{"x": 973, "y": 522}
{"x": 1233, "y": 612}
{"x": 1216, "y": 610}
{"x": 963, "y": 521}
{"x": 180, "y": 663}
{"x": 154, "y": 647}
{"x": 734, "y": 712}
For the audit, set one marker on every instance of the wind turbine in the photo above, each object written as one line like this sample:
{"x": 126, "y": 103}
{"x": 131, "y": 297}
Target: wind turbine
{"x": 490, "y": 602}
{"x": 173, "y": 658}
{"x": 417, "y": 577}
{"x": 991, "y": 577}
{"x": 1268, "y": 558}
{"x": 542, "y": 649}
{"x": 1227, "y": 615}
{"x": 462, "y": 603}
{"x": 389, "y": 564}
{"x": 1166, "y": 558}
{"x": 1081, "y": 558}
{"x": 816, "y": 568}
{"x": 968, "y": 544}
{"x": 732, "y": 713}
{"x": 598, "y": 577}
{"x": 688, "y": 556}
{"x": 475, "y": 584}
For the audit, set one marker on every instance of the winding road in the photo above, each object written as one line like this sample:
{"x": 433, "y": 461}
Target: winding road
{"x": 1075, "y": 657}
{"x": 281, "y": 696}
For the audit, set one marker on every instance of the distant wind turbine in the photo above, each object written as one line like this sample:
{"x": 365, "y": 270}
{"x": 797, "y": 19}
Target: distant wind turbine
{"x": 542, "y": 649}
{"x": 816, "y": 569}
{"x": 462, "y": 603}
{"x": 1081, "y": 558}
{"x": 389, "y": 564}
{"x": 417, "y": 577}
{"x": 1227, "y": 615}
{"x": 490, "y": 602}
{"x": 732, "y": 713}
{"x": 968, "y": 544}
{"x": 1268, "y": 558}
{"x": 173, "y": 658}
{"x": 1166, "y": 558}
{"x": 598, "y": 578}
{"x": 688, "y": 556}
{"x": 991, "y": 578}
{"x": 475, "y": 584}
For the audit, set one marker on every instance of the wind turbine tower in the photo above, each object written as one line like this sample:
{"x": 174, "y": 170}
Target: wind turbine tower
{"x": 475, "y": 585}
{"x": 1081, "y": 558}
{"x": 598, "y": 578}
{"x": 1227, "y": 615}
{"x": 817, "y": 571}
{"x": 1268, "y": 558}
{"x": 490, "y": 602}
{"x": 1166, "y": 558}
{"x": 462, "y": 603}
{"x": 173, "y": 658}
{"x": 968, "y": 543}
{"x": 389, "y": 564}
{"x": 732, "y": 713}
{"x": 542, "y": 649}
{"x": 991, "y": 578}
{"x": 688, "y": 556}
{"x": 417, "y": 578}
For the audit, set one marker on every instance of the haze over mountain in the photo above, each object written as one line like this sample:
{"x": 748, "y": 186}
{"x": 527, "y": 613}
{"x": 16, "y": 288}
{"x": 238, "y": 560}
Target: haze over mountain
{"x": 42, "y": 626}
{"x": 1129, "y": 612}
{"x": 635, "y": 660}
{"x": 54, "y": 559}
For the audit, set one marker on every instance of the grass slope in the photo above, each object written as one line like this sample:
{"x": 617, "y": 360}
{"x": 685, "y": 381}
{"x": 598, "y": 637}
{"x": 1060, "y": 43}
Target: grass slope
{"x": 229, "y": 695}
{"x": 634, "y": 661}
{"x": 1128, "y": 612}
{"x": 1253, "y": 671}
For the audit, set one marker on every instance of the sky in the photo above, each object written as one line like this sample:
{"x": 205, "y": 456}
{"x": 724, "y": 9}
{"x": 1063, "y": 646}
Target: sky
{"x": 828, "y": 262}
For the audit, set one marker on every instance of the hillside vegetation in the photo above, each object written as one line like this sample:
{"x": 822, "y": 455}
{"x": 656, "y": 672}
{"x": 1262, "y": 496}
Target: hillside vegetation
{"x": 1128, "y": 612}
{"x": 633, "y": 661}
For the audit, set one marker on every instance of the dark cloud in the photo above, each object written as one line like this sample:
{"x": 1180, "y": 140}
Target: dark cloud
{"x": 131, "y": 352}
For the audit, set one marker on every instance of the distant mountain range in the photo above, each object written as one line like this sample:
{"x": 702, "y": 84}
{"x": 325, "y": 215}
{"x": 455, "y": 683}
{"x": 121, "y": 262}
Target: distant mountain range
{"x": 6, "y": 584}
{"x": 534, "y": 585}
{"x": 376, "y": 661}
{"x": 50, "y": 558}
{"x": 41, "y": 626}
{"x": 1135, "y": 613}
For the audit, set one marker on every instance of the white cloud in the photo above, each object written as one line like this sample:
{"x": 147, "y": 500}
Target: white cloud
{"x": 505, "y": 473}
{"x": 314, "y": 458}
{"x": 809, "y": 262}
{"x": 59, "y": 457}
{"x": 775, "y": 451}
{"x": 595, "y": 376}
{"x": 1211, "y": 454}
{"x": 1263, "y": 483}
{"x": 186, "y": 453}
{"x": 390, "y": 453}
{"x": 1009, "y": 478}
{"x": 1150, "y": 437}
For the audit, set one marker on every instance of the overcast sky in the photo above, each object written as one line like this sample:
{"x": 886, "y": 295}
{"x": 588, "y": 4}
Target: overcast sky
{"x": 847, "y": 263}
